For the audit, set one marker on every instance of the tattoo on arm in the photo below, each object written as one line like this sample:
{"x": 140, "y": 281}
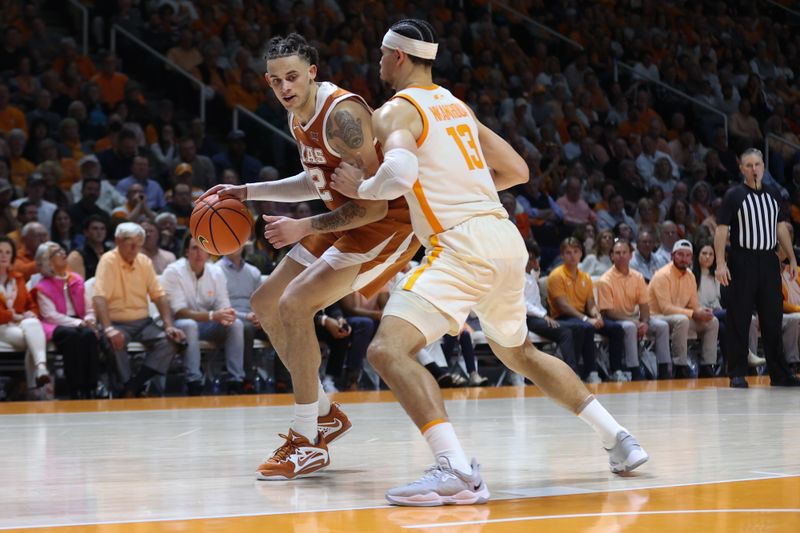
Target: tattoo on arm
{"x": 338, "y": 218}
{"x": 347, "y": 128}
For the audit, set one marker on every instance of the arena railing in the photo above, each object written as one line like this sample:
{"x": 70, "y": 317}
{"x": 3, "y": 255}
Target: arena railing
{"x": 779, "y": 139}
{"x": 84, "y": 11}
{"x": 617, "y": 64}
{"x": 537, "y": 25}
{"x": 695, "y": 101}
{"x": 260, "y": 120}
{"x": 117, "y": 29}
{"x": 783, "y": 7}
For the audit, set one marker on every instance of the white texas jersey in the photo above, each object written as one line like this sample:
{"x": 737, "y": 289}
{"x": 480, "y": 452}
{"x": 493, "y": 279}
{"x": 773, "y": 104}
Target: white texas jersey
{"x": 454, "y": 183}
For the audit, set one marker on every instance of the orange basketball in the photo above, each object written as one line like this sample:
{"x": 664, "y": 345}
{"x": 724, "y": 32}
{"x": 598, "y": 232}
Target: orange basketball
{"x": 220, "y": 226}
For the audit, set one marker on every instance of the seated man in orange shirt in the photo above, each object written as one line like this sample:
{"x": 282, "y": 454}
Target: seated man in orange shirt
{"x": 571, "y": 300}
{"x": 622, "y": 298}
{"x": 673, "y": 298}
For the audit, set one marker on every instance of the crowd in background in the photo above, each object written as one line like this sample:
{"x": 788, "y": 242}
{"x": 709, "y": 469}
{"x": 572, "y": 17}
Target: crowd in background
{"x": 88, "y": 142}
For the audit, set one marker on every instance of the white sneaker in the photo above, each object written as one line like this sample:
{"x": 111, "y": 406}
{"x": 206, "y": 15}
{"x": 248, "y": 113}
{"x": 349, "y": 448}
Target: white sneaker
{"x": 593, "y": 378}
{"x": 626, "y": 454}
{"x": 328, "y": 386}
{"x": 754, "y": 360}
{"x": 619, "y": 376}
{"x": 442, "y": 485}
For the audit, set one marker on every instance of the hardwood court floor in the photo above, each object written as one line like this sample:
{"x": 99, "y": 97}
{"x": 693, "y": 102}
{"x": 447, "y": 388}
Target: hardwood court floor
{"x": 721, "y": 460}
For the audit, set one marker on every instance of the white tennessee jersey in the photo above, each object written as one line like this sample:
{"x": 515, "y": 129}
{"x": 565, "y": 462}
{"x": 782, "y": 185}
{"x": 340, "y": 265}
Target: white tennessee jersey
{"x": 454, "y": 182}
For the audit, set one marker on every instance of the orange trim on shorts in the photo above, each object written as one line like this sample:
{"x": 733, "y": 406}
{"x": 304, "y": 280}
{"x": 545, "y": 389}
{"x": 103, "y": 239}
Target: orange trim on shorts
{"x": 422, "y": 115}
{"x": 419, "y": 194}
{"x": 432, "y": 423}
{"x": 434, "y": 254}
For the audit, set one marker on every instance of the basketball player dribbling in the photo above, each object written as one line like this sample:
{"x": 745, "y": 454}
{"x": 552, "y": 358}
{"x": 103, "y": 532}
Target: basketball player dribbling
{"x": 448, "y": 166}
{"x": 359, "y": 245}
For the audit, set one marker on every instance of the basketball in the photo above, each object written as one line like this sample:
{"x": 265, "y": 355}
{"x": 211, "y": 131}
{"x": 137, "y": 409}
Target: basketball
{"x": 220, "y": 226}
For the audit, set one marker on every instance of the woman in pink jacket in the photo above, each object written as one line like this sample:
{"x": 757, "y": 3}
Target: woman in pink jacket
{"x": 68, "y": 319}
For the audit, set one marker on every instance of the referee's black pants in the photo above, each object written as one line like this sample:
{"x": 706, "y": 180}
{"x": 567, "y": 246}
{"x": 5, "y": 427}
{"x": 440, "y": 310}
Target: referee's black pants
{"x": 755, "y": 284}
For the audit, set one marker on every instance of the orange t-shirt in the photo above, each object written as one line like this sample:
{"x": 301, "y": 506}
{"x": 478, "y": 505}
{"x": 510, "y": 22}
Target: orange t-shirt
{"x": 112, "y": 88}
{"x": 11, "y": 118}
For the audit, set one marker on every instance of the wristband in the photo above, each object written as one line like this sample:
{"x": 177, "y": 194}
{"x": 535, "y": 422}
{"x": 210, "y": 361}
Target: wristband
{"x": 585, "y": 318}
{"x": 210, "y": 316}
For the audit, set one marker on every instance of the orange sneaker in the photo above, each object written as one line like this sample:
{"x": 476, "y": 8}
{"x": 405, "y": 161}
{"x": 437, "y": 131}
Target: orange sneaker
{"x": 297, "y": 457}
{"x": 334, "y": 424}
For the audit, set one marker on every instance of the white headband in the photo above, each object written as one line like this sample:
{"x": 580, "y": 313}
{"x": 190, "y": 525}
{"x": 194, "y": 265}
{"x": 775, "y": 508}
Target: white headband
{"x": 413, "y": 47}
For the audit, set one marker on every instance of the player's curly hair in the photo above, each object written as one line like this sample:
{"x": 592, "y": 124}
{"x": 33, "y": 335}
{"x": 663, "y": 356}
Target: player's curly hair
{"x": 417, "y": 29}
{"x": 291, "y": 45}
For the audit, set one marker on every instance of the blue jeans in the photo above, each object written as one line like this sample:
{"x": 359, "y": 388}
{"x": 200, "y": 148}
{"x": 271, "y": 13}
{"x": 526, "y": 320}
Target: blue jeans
{"x": 232, "y": 336}
{"x": 584, "y": 337}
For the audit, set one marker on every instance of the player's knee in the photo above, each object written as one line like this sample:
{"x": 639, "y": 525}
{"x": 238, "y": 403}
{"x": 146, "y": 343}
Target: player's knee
{"x": 379, "y": 356}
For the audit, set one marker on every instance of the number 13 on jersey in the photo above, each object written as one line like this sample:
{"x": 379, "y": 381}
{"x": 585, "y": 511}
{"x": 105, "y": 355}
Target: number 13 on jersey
{"x": 461, "y": 134}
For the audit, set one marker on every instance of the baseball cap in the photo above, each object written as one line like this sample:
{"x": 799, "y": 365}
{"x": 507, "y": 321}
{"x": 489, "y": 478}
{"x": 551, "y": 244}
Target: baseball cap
{"x": 183, "y": 168}
{"x": 682, "y": 244}
{"x": 91, "y": 158}
{"x": 235, "y": 135}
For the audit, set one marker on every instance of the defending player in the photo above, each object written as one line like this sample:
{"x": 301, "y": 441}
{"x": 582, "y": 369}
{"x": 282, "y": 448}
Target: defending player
{"x": 448, "y": 166}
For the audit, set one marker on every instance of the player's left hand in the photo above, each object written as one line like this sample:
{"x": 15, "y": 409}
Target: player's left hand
{"x": 284, "y": 231}
{"x": 347, "y": 177}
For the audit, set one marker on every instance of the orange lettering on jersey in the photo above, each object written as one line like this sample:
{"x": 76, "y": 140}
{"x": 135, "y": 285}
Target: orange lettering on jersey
{"x": 448, "y": 111}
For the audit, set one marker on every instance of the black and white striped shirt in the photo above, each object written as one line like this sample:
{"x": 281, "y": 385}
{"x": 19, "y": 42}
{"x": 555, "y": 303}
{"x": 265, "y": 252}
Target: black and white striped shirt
{"x": 753, "y": 216}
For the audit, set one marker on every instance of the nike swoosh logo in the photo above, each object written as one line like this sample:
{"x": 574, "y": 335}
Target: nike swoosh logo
{"x": 331, "y": 427}
{"x": 477, "y": 487}
{"x": 307, "y": 457}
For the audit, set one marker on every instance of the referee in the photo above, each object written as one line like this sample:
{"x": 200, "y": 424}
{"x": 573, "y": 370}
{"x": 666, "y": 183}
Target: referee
{"x": 752, "y": 212}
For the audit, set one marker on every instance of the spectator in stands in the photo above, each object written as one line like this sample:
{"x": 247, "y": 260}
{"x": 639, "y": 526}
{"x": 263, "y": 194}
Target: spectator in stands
{"x": 168, "y": 231}
{"x": 33, "y": 234}
{"x": 165, "y": 150}
{"x": 246, "y": 166}
{"x": 160, "y": 258}
{"x": 11, "y": 117}
{"x": 84, "y": 259}
{"x": 569, "y": 293}
{"x": 608, "y": 219}
{"x": 70, "y": 135}
{"x": 668, "y": 233}
{"x": 110, "y": 82}
{"x": 242, "y": 280}
{"x": 185, "y": 54}
{"x": 19, "y": 326}
{"x": 744, "y": 127}
{"x": 672, "y": 294}
{"x": 680, "y": 214}
{"x": 117, "y": 162}
{"x": 598, "y": 262}
{"x": 87, "y": 206}
{"x": 43, "y": 102}
{"x": 140, "y": 173}
{"x": 68, "y": 319}
{"x": 622, "y": 297}
{"x": 202, "y": 167}
{"x": 21, "y": 167}
{"x": 62, "y": 232}
{"x": 198, "y": 296}
{"x": 576, "y": 211}
{"x": 539, "y": 322}
{"x": 7, "y": 221}
{"x": 135, "y": 208}
{"x": 646, "y": 161}
{"x": 181, "y": 204}
{"x": 69, "y": 54}
{"x": 108, "y": 198}
{"x": 26, "y": 212}
{"x": 204, "y": 144}
{"x": 124, "y": 280}
{"x": 34, "y": 189}
{"x": 791, "y": 314}
{"x": 644, "y": 261}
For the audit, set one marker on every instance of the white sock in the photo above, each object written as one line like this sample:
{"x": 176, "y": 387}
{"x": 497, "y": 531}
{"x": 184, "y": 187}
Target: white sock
{"x": 442, "y": 440}
{"x": 602, "y": 423}
{"x": 324, "y": 402}
{"x": 305, "y": 420}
